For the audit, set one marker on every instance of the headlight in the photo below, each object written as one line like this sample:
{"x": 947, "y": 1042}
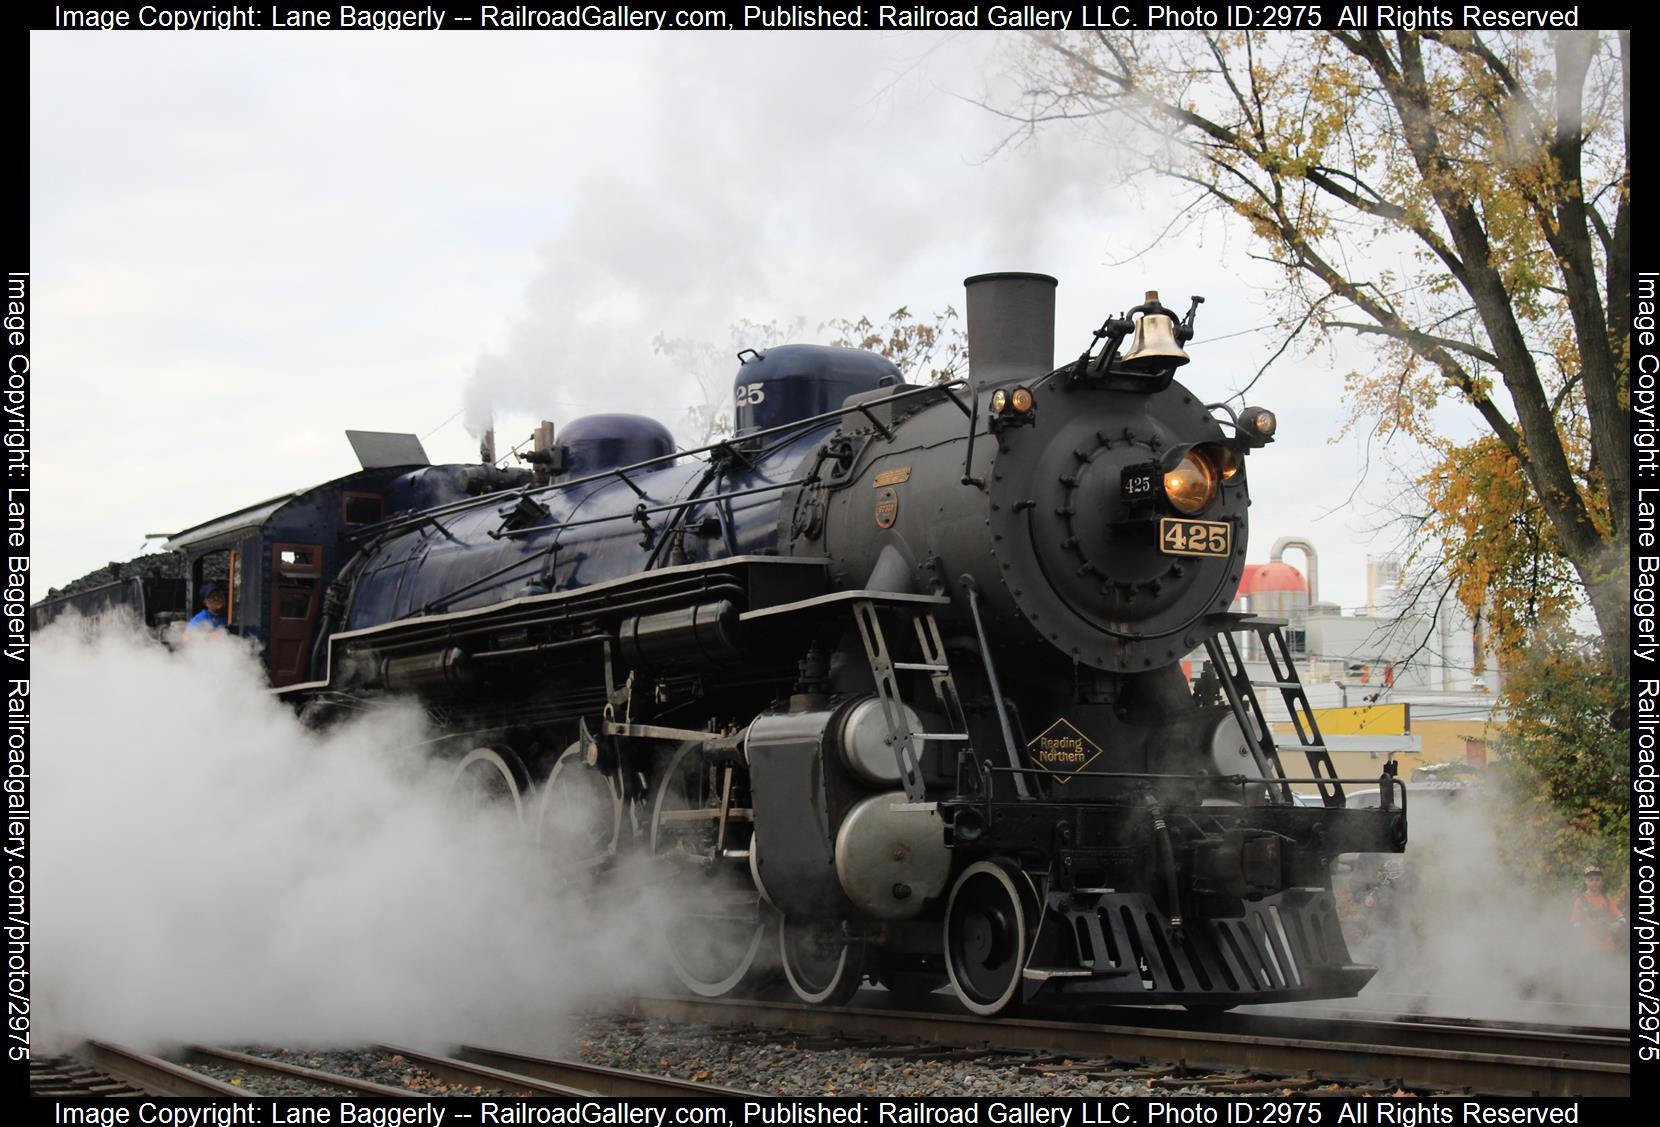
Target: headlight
{"x": 1191, "y": 485}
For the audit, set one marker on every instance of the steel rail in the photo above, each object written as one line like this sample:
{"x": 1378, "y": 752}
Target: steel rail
{"x": 153, "y": 1074}
{"x": 1390, "y": 1005}
{"x": 1437, "y": 1069}
{"x": 458, "y": 1071}
{"x": 598, "y": 1078}
{"x": 265, "y": 1066}
{"x": 67, "y": 1077}
{"x": 1454, "y": 1034}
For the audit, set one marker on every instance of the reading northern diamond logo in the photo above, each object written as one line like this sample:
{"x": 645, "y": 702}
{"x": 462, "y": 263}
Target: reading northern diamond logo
{"x": 1063, "y": 750}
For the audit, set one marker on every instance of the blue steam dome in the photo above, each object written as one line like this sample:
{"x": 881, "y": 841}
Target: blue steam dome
{"x": 595, "y": 443}
{"x": 797, "y": 381}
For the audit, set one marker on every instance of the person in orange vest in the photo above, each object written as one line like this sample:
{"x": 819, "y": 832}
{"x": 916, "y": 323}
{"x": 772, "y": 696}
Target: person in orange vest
{"x": 1597, "y": 915}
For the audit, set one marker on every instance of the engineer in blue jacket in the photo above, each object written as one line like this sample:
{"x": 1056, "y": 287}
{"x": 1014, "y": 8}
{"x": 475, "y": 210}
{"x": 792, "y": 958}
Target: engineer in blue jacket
{"x": 212, "y": 614}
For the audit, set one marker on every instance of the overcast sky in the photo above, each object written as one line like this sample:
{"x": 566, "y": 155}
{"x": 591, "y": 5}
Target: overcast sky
{"x": 244, "y": 244}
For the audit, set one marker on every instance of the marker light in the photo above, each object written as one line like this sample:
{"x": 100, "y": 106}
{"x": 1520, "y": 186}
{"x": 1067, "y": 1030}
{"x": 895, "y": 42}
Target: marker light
{"x": 1259, "y": 423}
{"x": 1021, "y": 399}
{"x": 1226, "y": 459}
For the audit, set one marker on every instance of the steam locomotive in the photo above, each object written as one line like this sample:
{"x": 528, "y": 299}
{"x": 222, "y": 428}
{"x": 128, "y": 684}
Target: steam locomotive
{"x": 889, "y": 681}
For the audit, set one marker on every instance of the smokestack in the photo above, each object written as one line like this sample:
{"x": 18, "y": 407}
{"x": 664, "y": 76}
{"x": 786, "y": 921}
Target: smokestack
{"x": 1011, "y": 328}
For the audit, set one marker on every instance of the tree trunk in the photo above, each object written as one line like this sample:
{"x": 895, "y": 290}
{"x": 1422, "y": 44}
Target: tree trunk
{"x": 1606, "y": 582}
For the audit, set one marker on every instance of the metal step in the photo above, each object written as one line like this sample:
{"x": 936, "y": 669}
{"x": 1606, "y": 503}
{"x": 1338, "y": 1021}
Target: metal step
{"x": 1044, "y": 974}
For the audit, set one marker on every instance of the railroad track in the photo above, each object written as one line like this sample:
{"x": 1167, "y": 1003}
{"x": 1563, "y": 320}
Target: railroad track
{"x": 65, "y": 1077}
{"x": 149, "y": 1074}
{"x": 596, "y": 1078}
{"x": 1162, "y": 1049}
{"x": 198, "y": 1070}
{"x": 1395, "y": 1005}
{"x": 1418, "y": 1056}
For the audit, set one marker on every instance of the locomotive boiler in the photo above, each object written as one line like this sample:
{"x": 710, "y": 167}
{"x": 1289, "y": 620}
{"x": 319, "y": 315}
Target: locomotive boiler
{"x": 890, "y": 681}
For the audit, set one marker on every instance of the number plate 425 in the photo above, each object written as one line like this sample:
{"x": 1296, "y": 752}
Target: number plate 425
{"x": 1195, "y": 537}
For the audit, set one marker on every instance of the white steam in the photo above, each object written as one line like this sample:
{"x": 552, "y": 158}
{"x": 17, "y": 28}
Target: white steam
{"x": 1459, "y": 929}
{"x": 799, "y": 177}
{"x": 206, "y": 868}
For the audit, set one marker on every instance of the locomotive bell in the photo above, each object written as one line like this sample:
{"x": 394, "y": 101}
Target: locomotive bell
{"x": 1154, "y": 348}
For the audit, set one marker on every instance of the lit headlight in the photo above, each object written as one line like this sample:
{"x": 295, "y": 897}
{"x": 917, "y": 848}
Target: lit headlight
{"x": 1191, "y": 485}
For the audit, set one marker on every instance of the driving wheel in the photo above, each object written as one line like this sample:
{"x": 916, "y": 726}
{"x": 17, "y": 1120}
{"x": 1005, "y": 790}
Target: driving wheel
{"x": 821, "y": 966}
{"x": 486, "y": 776}
{"x": 578, "y": 816}
{"x": 717, "y": 935}
{"x": 988, "y": 935}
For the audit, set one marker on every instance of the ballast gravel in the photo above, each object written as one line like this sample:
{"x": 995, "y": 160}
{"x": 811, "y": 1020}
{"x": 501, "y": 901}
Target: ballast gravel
{"x": 373, "y": 1065}
{"x": 775, "y": 1063}
{"x": 799, "y": 1065}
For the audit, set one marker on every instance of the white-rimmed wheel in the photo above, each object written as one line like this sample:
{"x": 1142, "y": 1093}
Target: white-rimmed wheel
{"x": 988, "y": 924}
{"x": 821, "y": 966}
{"x": 578, "y": 815}
{"x": 487, "y": 776}
{"x": 718, "y": 933}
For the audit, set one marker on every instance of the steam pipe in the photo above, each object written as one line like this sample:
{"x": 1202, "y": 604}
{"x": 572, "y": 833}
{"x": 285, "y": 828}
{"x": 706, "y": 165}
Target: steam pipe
{"x": 1307, "y": 547}
{"x": 1167, "y": 859}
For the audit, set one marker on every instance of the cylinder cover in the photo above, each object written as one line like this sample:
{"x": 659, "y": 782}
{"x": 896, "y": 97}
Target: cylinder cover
{"x": 865, "y": 750}
{"x": 891, "y": 856}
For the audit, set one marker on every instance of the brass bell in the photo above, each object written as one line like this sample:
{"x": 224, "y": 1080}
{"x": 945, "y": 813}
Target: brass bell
{"x": 1154, "y": 348}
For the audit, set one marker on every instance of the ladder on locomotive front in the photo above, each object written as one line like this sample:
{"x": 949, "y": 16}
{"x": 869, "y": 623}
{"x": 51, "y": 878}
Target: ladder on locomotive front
{"x": 1247, "y": 710}
{"x": 1225, "y": 658}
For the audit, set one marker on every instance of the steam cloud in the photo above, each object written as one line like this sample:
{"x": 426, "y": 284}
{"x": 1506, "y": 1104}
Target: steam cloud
{"x": 1462, "y": 932}
{"x": 205, "y": 868}
{"x": 822, "y": 199}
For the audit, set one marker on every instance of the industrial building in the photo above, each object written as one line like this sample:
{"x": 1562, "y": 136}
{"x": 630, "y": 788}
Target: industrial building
{"x": 1406, "y": 676}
